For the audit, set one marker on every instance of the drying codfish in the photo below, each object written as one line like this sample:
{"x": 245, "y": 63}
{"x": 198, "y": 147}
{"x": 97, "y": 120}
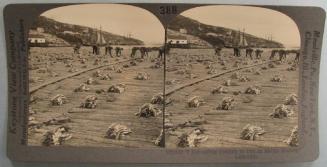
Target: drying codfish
{"x": 276, "y": 78}
{"x": 118, "y": 88}
{"x": 89, "y": 81}
{"x": 244, "y": 79}
{"x": 292, "y": 67}
{"x": 106, "y": 77}
{"x": 195, "y": 101}
{"x": 228, "y": 103}
{"x": 117, "y": 131}
{"x": 90, "y": 102}
{"x": 58, "y": 100}
{"x": 291, "y": 99}
{"x": 148, "y": 110}
{"x": 281, "y": 111}
{"x": 98, "y": 73}
{"x": 253, "y": 90}
{"x": 192, "y": 139}
{"x": 56, "y": 137}
{"x": 293, "y": 140}
{"x": 142, "y": 76}
{"x": 219, "y": 90}
{"x": 251, "y": 132}
{"x": 159, "y": 99}
{"x": 82, "y": 88}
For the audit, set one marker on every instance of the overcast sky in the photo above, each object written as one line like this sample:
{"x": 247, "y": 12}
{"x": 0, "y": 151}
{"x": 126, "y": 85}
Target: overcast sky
{"x": 124, "y": 19}
{"x": 114, "y": 18}
{"x": 257, "y": 21}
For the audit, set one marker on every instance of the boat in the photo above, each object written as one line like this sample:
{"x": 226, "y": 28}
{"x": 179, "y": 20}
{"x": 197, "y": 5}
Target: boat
{"x": 242, "y": 40}
{"x": 239, "y": 41}
{"x": 100, "y": 41}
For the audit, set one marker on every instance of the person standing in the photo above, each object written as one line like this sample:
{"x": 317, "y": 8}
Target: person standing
{"x": 108, "y": 50}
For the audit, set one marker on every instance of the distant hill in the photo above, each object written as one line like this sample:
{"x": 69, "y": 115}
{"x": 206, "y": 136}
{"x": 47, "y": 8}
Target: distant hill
{"x": 74, "y": 34}
{"x": 217, "y": 36}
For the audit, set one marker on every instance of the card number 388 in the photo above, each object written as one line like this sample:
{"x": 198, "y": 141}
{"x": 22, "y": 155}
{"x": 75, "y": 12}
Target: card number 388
{"x": 166, "y": 10}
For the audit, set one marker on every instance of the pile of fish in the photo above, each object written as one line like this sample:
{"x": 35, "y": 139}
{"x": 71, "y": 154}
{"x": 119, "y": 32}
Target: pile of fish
{"x": 117, "y": 131}
{"x": 281, "y": 111}
{"x": 251, "y": 132}
{"x": 148, "y": 110}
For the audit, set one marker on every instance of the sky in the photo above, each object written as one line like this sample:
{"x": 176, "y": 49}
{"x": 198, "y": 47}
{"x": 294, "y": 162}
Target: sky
{"x": 257, "y": 21}
{"x": 114, "y": 18}
{"x": 124, "y": 19}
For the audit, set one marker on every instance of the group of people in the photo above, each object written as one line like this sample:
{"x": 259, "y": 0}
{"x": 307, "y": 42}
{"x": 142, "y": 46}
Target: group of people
{"x": 108, "y": 50}
{"x": 118, "y": 51}
{"x": 144, "y": 51}
{"x": 248, "y": 52}
{"x": 282, "y": 53}
{"x": 257, "y": 52}
{"x": 96, "y": 50}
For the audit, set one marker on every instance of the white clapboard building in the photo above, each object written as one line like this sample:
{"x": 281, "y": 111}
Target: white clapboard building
{"x": 177, "y": 41}
{"x": 36, "y": 40}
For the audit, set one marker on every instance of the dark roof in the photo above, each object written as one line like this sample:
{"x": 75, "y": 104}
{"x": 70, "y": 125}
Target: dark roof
{"x": 176, "y": 37}
{"x": 35, "y": 36}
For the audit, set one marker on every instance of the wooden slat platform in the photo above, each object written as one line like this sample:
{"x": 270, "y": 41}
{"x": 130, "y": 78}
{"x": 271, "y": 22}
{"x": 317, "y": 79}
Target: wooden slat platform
{"x": 224, "y": 127}
{"x": 89, "y": 128}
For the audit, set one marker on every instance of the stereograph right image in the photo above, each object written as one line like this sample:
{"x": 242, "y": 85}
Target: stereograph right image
{"x": 232, "y": 75}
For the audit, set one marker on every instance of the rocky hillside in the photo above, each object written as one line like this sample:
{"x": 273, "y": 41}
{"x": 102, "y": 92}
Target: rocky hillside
{"x": 218, "y": 36}
{"x": 80, "y": 34}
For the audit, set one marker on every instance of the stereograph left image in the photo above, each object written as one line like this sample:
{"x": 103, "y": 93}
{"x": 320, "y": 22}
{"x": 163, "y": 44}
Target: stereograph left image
{"x": 96, "y": 77}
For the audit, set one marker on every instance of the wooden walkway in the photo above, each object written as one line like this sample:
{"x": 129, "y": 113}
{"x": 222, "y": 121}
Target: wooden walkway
{"x": 89, "y": 126}
{"x": 223, "y": 128}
